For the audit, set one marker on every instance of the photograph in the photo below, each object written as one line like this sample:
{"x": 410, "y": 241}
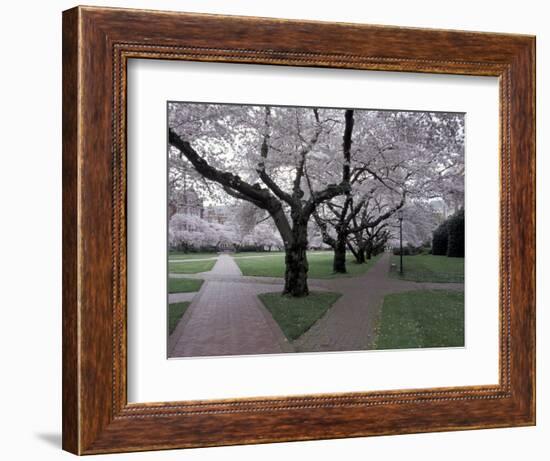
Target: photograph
{"x": 313, "y": 229}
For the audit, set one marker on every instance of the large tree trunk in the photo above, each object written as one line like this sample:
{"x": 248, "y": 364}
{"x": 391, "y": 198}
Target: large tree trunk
{"x": 339, "y": 263}
{"x": 296, "y": 260}
{"x": 360, "y": 256}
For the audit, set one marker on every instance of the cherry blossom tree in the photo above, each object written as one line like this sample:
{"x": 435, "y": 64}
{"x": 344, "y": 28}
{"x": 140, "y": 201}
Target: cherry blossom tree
{"x": 346, "y": 170}
{"x": 192, "y": 232}
{"x": 263, "y": 236}
{"x": 261, "y": 155}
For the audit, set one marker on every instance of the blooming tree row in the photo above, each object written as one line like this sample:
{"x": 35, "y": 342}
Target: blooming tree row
{"x": 335, "y": 175}
{"x": 190, "y": 232}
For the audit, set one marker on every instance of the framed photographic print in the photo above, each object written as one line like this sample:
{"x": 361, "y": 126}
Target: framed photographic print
{"x": 284, "y": 230}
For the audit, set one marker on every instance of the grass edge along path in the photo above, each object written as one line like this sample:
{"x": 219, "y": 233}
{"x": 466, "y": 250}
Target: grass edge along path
{"x": 184, "y": 285}
{"x": 175, "y": 313}
{"x": 429, "y": 268}
{"x": 296, "y": 315}
{"x": 180, "y": 256}
{"x": 190, "y": 266}
{"x": 424, "y": 318}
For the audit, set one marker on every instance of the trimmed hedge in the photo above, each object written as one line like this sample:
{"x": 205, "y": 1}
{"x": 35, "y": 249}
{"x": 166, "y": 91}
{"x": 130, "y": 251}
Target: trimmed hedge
{"x": 410, "y": 250}
{"x": 455, "y": 226}
{"x": 440, "y": 240}
{"x": 448, "y": 238}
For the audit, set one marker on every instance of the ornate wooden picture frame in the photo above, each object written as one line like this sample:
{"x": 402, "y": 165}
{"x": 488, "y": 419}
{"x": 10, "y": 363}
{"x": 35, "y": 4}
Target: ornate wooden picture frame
{"x": 97, "y": 44}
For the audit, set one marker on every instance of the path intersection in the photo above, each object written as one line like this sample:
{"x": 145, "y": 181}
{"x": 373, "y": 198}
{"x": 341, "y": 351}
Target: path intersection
{"x": 226, "y": 317}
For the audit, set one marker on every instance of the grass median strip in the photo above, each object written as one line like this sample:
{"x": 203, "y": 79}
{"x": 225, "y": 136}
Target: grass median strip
{"x": 191, "y": 267}
{"x": 429, "y": 268}
{"x": 427, "y": 318}
{"x": 296, "y": 315}
{"x": 175, "y": 312}
{"x": 175, "y": 256}
{"x": 184, "y": 285}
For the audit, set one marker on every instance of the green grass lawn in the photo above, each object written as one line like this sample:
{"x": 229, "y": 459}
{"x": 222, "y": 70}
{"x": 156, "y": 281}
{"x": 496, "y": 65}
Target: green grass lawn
{"x": 190, "y": 267}
{"x": 296, "y": 315}
{"x": 429, "y": 268}
{"x": 175, "y": 312}
{"x": 320, "y": 266}
{"x": 433, "y": 318}
{"x": 179, "y": 256}
{"x": 184, "y": 285}
{"x": 244, "y": 254}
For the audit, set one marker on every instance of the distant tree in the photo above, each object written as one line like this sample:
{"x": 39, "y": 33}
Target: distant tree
{"x": 368, "y": 242}
{"x": 261, "y": 237}
{"x": 191, "y": 232}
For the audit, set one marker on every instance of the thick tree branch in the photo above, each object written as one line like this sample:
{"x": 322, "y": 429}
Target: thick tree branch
{"x": 346, "y": 145}
{"x": 281, "y": 194}
{"x": 354, "y": 211}
{"x": 382, "y": 217}
{"x": 228, "y": 180}
{"x": 264, "y": 150}
{"x": 297, "y": 192}
{"x": 344, "y": 188}
{"x": 240, "y": 196}
{"x": 331, "y": 191}
{"x": 350, "y": 247}
{"x": 324, "y": 230}
{"x": 235, "y": 186}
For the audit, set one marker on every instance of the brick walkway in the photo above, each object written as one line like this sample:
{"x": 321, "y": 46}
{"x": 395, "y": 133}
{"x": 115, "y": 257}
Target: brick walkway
{"x": 226, "y": 317}
{"x": 226, "y": 267}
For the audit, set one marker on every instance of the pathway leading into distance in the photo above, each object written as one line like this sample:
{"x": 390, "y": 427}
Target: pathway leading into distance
{"x": 227, "y": 318}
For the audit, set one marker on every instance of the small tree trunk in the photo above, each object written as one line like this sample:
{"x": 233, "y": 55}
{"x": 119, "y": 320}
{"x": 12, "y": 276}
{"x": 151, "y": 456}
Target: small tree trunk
{"x": 296, "y": 261}
{"x": 360, "y": 256}
{"x": 367, "y": 249}
{"x": 339, "y": 263}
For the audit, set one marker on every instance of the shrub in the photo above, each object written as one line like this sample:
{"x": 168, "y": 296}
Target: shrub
{"x": 440, "y": 240}
{"x": 455, "y": 226}
{"x": 408, "y": 250}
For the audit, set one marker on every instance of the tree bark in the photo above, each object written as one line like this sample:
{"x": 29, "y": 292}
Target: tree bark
{"x": 296, "y": 260}
{"x": 339, "y": 263}
{"x": 360, "y": 257}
